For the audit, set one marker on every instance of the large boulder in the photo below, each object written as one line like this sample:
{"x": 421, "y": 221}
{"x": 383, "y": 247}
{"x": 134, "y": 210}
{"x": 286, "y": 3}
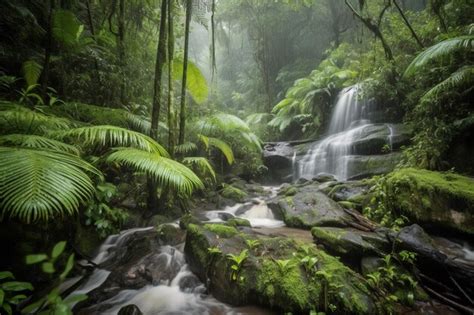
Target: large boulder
{"x": 308, "y": 207}
{"x": 363, "y": 166}
{"x": 433, "y": 199}
{"x": 244, "y": 268}
{"x": 379, "y": 138}
{"x": 278, "y": 157}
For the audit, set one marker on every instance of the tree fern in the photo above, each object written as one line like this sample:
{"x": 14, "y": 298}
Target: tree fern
{"x": 37, "y": 142}
{"x": 165, "y": 171}
{"x": 441, "y": 50}
{"x": 31, "y": 72}
{"x": 22, "y": 120}
{"x": 459, "y": 80}
{"x": 201, "y": 164}
{"x": 223, "y": 147}
{"x": 186, "y": 148}
{"x": 41, "y": 185}
{"x": 110, "y": 136}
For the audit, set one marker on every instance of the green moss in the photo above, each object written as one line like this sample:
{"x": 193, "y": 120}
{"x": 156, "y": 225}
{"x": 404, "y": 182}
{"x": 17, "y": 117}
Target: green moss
{"x": 347, "y": 204}
{"x": 441, "y": 199}
{"x": 238, "y": 222}
{"x": 233, "y": 193}
{"x": 221, "y": 230}
{"x": 188, "y": 219}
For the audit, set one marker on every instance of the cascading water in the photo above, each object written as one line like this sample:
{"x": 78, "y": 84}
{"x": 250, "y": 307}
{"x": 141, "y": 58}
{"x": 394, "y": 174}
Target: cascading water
{"x": 349, "y": 120}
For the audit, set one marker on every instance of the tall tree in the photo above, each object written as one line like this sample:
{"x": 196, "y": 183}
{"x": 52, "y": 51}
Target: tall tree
{"x": 157, "y": 93}
{"x": 407, "y": 23}
{"x": 182, "y": 113}
{"x": 171, "y": 119}
{"x": 48, "y": 49}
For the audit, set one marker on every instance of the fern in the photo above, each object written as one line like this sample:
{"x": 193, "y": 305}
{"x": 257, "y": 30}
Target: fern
{"x": 196, "y": 83}
{"x": 37, "y": 142}
{"x": 21, "y": 120}
{"x": 224, "y": 148}
{"x": 166, "y": 172}
{"x": 186, "y": 148}
{"x": 31, "y": 72}
{"x": 39, "y": 185}
{"x": 258, "y": 118}
{"x": 201, "y": 164}
{"x": 439, "y": 51}
{"x": 66, "y": 28}
{"x": 461, "y": 79}
{"x": 114, "y": 136}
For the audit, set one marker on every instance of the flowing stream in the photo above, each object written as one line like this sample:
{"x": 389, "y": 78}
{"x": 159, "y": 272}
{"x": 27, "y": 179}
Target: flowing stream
{"x": 182, "y": 293}
{"x": 349, "y": 119}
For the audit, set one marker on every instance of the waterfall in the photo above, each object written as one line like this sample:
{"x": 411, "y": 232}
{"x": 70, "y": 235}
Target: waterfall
{"x": 349, "y": 119}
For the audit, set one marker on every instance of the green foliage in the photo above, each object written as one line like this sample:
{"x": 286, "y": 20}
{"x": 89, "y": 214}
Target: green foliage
{"x": 252, "y": 244}
{"x": 233, "y": 193}
{"x": 41, "y": 184}
{"x": 196, "y": 83}
{"x": 31, "y": 72}
{"x": 237, "y": 262}
{"x": 167, "y": 172}
{"x": 11, "y": 291}
{"x": 223, "y": 147}
{"x": 66, "y": 28}
{"x": 441, "y": 50}
{"x": 37, "y": 142}
{"x": 201, "y": 166}
{"x": 106, "y": 219}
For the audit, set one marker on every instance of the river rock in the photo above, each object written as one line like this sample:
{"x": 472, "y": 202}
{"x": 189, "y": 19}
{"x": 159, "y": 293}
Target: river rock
{"x": 350, "y": 242}
{"x": 278, "y": 158}
{"x": 269, "y": 273}
{"x": 377, "y": 139}
{"x": 363, "y": 166}
{"x": 433, "y": 199}
{"x": 130, "y": 310}
{"x": 308, "y": 207}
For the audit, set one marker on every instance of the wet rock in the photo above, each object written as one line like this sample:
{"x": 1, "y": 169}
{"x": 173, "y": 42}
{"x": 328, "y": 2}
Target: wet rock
{"x": 350, "y": 242}
{"x": 307, "y": 208}
{"x": 377, "y": 139}
{"x": 363, "y": 166}
{"x": 323, "y": 178}
{"x": 352, "y": 191}
{"x": 261, "y": 278}
{"x": 277, "y": 157}
{"x": 435, "y": 200}
{"x": 370, "y": 264}
{"x": 130, "y": 310}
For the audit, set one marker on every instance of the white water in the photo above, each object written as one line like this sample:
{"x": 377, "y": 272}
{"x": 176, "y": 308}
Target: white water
{"x": 332, "y": 154}
{"x": 258, "y": 214}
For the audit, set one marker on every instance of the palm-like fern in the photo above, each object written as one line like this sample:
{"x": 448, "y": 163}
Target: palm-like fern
{"x": 459, "y": 80}
{"x": 440, "y": 51}
{"x": 196, "y": 83}
{"x": 31, "y": 72}
{"x": 110, "y": 136}
{"x": 201, "y": 165}
{"x": 224, "y": 148}
{"x": 166, "y": 172}
{"x": 37, "y": 142}
{"x": 42, "y": 185}
{"x": 186, "y": 148}
{"x": 21, "y": 120}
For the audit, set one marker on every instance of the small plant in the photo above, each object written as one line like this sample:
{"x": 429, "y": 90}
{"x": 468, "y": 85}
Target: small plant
{"x": 237, "y": 262}
{"x": 10, "y": 291}
{"x": 330, "y": 288}
{"x": 214, "y": 251}
{"x": 28, "y": 96}
{"x": 308, "y": 262}
{"x": 284, "y": 265}
{"x": 252, "y": 244}
{"x": 407, "y": 256}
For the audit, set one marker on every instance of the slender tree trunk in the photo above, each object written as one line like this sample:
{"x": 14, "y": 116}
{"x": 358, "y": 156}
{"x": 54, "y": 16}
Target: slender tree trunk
{"x": 47, "y": 51}
{"x": 121, "y": 50}
{"x": 171, "y": 120}
{"x": 157, "y": 93}
{"x": 213, "y": 40}
{"x": 374, "y": 28}
{"x": 407, "y": 23}
{"x": 92, "y": 30}
{"x": 182, "y": 112}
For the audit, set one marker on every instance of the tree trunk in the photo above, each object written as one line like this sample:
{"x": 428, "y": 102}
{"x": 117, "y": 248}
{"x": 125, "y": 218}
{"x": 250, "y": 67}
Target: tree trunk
{"x": 92, "y": 30}
{"x": 157, "y": 92}
{"x": 121, "y": 50}
{"x": 47, "y": 52}
{"x": 407, "y": 23}
{"x": 182, "y": 113}
{"x": 171, "y": 119}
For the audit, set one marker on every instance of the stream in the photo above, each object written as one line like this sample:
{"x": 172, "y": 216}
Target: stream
{"x": 179, "y": 291}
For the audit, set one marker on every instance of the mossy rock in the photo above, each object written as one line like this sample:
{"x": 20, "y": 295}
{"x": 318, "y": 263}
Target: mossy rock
{"x": 221, "y": 230}
{"x": 187, "y": 219}
{"x": 234, "y": 193}
{"x": 438, "y": 200}
{"x": 272, "y": 273}
{"x": 238, "y": 222}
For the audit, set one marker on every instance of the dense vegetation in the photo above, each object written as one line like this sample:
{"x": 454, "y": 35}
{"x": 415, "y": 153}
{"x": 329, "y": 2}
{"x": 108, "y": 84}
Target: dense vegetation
{"x": 117, "y": 114}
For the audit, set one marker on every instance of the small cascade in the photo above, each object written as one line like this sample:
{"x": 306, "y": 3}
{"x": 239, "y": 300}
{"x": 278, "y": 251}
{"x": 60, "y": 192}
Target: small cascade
{"x": 349, "y": 121}
{"x": 390, "y": 136}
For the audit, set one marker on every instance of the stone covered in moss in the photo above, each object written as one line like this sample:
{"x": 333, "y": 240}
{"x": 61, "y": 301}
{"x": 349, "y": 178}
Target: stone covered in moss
{"x": 238, "y": 222}
{"x": 350, "y": 242}
{"x": 309, "y": 207}
{"x": 274, "y": 273}
{"x": 441, "y": 200}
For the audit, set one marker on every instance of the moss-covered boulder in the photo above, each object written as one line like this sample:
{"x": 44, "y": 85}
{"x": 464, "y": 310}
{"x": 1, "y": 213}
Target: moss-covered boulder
{"x": 363, "y": 166}
{"x": 244, "y": 268}
{"x": 434, "y": 199}
{"x": 350, "y": 242}
{"x": 308, "y": 207}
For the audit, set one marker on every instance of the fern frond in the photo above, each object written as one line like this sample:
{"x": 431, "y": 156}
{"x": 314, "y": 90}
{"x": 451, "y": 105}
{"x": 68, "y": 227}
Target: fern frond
{"x": 40, "y": 185}
{"x": 225, "y": 149}
{"x": 202, "y": 164}
{"x": 112, "y": 136}
{"x": 66, "y": 27}
{"x": 258, "y": 118}
{"x": 186, "y": 148}
{"x": 196, "y": 83}
{"x": 31, "y": 72}
{"x": 441, "y": 50}
{"x": 22, "y": 120}
{"x": 459, "y": 80}
{"x": 165, "y": 171}
{"x": 37, "y": 142}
